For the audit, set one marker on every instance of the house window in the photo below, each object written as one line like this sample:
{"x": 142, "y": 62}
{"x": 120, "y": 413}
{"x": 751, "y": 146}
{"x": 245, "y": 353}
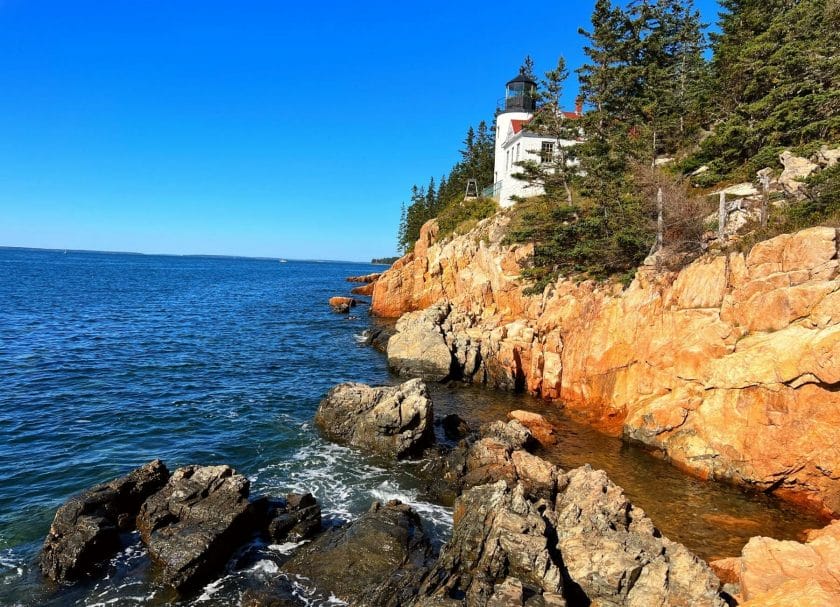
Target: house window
{"x": 517, "y": 152}
{"x": 507, "y": 159}
{"x": 547, "y": 151}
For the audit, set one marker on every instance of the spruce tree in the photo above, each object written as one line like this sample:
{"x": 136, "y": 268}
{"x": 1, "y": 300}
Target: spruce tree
{"x": 553, "y": 173}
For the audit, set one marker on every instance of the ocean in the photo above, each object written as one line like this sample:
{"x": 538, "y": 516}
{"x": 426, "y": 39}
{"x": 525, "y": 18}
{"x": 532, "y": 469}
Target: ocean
{"x": 110, "y": 360}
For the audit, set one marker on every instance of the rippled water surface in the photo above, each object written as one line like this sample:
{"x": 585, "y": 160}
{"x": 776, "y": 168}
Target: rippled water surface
{"x": 110, "y": 360}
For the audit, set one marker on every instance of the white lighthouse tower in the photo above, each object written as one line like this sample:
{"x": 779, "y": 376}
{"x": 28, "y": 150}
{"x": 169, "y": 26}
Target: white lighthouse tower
{"x": 519, "y": 105}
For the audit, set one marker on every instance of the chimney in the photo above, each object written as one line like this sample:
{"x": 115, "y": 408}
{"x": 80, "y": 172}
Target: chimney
{"x": 579, "y": 106}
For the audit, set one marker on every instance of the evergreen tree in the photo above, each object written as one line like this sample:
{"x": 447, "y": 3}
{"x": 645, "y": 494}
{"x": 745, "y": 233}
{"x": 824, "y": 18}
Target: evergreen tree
{"x": 552, "y": 173}
{"x": 776, "y": 80}
{"x": 527, "y": 68}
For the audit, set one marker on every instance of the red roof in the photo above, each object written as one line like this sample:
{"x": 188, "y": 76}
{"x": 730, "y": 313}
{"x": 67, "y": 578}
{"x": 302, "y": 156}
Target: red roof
{"x": 518, "y": 125}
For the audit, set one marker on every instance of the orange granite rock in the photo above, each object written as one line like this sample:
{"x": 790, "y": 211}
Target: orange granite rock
{"x": 342, "y": 304}
{"x": 729, "y": 367}
{"x": 773, "y": 573}
{"x": 539, "y": 426}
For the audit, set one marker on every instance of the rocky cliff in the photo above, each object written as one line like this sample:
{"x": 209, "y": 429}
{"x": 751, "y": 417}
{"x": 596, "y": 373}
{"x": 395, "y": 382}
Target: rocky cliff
{"x": 730, "y": 367}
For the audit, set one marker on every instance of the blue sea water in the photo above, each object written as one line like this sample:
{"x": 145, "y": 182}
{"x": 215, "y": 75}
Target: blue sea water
{"x": 110, "y": 360}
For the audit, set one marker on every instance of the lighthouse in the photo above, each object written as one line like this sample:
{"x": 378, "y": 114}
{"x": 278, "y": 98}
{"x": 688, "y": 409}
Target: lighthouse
{"x": 514, "y": 143}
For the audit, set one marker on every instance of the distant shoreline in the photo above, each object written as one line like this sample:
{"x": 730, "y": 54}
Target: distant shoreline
{"x": 187, "y": 255}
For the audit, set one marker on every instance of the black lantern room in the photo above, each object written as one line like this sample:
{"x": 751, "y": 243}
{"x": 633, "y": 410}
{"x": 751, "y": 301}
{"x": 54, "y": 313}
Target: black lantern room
{"x": 520, "y": 94}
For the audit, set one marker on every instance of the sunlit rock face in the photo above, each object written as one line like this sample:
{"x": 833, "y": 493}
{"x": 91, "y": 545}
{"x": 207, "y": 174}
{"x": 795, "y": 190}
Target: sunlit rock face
{"x": 731, "y": 366}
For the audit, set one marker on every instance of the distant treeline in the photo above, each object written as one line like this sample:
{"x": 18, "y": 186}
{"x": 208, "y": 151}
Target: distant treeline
{"x": 384, "y": 260}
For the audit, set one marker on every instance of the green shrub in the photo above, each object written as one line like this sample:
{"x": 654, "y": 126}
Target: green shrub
{"x": 460, "y": 216}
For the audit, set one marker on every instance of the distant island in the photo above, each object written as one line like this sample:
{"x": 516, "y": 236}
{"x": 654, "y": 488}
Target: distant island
{"x": 386, "y": 261}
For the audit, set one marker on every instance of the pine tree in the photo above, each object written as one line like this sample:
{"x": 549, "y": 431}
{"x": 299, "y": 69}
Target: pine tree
{"x": 553, "y": 173}
{"x": 776, "y": 80}
{"x": 527, "y": 68}
{"x": 401, "y": 230}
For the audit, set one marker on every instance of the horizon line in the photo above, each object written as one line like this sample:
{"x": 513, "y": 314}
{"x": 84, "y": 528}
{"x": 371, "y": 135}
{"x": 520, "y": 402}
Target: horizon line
{"x": 202, "y": 255}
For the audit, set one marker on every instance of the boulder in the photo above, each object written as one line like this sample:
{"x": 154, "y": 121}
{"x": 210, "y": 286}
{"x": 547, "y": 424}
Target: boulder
{"x": 378, "y": 559}
{"x": 342, "y": 304}
{"x": 827, "y": 157}
{"x": 455, "y": 427}
{"x": 497, "y": 454}
{"x": 193, "y": 525}
{"x": 796, "y": 170}
{"x": 498, "y": 534}
{"x": 542, "y": 430}
{"x": 587, "y": 546}
{"x": 418, "y": 348}
{"x": 85, "y": 531}
{"x": 295, "y": 518}
{"x": 615, "y": 555}
{"x": 394, "y": 421}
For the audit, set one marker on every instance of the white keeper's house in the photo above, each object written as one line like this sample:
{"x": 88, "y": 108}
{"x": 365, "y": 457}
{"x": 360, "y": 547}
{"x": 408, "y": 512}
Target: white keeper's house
{"x": 514, "y": 143}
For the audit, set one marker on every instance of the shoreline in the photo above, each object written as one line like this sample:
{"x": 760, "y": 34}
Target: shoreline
{"x": 713, "y": 366}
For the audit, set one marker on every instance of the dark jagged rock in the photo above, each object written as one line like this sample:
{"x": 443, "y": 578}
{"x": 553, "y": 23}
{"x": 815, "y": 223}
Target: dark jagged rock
{"x": 193, "y": 525}
{"x": 85, "y": 531}
{"x": 378, "y": 336}
{"x": 378, "y": 559}
{"x": 455, "y": 427}
{"x": 296, "y": 518}
{"x": 497, "y": 453}
{"x": 498, "y": 533}
{"x": 394, "y": 421}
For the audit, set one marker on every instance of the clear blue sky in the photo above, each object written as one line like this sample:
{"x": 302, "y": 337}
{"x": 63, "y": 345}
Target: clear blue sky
{"x": 248, "y": 128}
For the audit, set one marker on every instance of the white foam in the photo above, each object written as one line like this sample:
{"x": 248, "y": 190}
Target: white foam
{"x": 286, "y": 548}
{"x": 265, "y": 566}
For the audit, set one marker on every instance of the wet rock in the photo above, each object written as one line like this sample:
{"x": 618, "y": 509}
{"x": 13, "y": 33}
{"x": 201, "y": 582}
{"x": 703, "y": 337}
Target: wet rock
{"x": 295, "y": 518}
{"x": 455, "y": 427}
{"x": 394, "y": 421}
{"x": 542, "y": 430}
{"x": 378, "y": 559}
{"x": 418, "y": 347}
{"x": 342, "y": 304}
{"x": 378, "y": 336}
{"x": 193, "y": 525}
{"x": 85, "y": 531}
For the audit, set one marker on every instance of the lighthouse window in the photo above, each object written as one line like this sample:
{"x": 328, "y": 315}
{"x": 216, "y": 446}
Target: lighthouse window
{"x": 547, "y": 151}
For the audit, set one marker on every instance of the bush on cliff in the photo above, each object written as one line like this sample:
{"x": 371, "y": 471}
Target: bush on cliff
{"x": 590, "y": 240}
{"x": 460, "y": 216}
